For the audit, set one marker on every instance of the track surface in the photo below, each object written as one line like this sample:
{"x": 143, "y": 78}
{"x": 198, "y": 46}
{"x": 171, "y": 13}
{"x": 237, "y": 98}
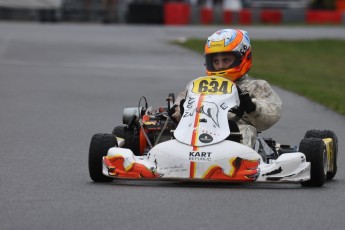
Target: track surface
{"x": 61, "y": 84}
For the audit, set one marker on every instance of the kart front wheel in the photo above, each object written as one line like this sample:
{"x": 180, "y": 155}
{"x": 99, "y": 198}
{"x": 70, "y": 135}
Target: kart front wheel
{"x": 315, "y": 151}
{"x": 327, "y": 134}
{"x": 99, "y": 146}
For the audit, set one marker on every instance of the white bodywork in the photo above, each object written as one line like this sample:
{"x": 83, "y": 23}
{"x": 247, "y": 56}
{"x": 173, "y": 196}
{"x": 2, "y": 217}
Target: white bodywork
{"x": 172, "y": 160}
{"x": 205, "y": 116}
{"x": 201, "y": 151}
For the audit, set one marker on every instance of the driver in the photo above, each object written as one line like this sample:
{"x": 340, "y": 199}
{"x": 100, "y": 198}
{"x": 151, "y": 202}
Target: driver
{"x": 228, "y": 54}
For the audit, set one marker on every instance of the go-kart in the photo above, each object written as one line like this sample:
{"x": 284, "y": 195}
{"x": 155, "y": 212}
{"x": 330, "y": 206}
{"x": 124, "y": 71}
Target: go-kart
{"x": 205, "y": 145}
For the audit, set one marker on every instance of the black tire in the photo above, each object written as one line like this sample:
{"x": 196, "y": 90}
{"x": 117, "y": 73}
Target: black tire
{"x": 327, "y": 134}
{"x": 99, "y": 146}
{"x": 119, "y": 131}
{"x": 315, "y": 152}
{"x": 130, "y": 136}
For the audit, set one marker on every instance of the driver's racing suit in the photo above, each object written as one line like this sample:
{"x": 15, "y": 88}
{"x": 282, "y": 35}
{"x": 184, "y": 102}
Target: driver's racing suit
{"x": 267, "y": 112}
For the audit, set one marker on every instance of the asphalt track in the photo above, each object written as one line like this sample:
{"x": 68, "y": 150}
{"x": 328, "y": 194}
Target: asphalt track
{"x": 60, "y": 84}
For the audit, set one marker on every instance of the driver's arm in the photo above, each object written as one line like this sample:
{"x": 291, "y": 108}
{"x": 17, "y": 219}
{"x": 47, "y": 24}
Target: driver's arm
{"x": 268, "y": 105}
{"x": 176, "y": 108}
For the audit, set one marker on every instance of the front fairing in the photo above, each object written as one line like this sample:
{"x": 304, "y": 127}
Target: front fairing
{"x": 204, "y": 121}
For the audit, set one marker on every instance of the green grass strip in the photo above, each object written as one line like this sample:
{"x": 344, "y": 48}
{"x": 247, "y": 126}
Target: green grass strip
{"x": 312, "y": 68}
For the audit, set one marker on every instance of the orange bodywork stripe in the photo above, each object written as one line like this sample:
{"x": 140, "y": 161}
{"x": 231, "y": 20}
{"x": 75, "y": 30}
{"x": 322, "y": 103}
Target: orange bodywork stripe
{"x": 196, "y": 120}
{"x": 192, "y": 169}
{"x": 115, "y": 166}
{"x": 142, "y": 141}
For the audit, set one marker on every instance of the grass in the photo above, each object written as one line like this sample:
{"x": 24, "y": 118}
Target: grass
{"x": 313, "y": 68}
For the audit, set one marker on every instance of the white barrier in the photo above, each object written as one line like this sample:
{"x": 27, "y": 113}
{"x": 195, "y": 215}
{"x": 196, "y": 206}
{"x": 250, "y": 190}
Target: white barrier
{"x": 41, "y": 4}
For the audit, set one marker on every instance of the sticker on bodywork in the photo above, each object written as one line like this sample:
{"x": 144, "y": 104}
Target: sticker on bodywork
{"x": 211, "y": 85}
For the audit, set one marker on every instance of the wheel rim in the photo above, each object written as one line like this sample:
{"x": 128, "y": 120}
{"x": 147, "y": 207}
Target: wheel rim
{"x": 324, "y": 156}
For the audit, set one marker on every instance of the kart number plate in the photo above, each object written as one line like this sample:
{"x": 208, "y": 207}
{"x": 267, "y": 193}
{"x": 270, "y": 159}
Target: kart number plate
{"x": 212, "y": 85}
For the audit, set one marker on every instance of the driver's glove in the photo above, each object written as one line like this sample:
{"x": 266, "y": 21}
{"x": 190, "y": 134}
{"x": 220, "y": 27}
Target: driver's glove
{"x": 181, "y": 106}
{"x": 172, "y": 111}
{"x": 246, "y": 103}
{"x": 237, "y": 111}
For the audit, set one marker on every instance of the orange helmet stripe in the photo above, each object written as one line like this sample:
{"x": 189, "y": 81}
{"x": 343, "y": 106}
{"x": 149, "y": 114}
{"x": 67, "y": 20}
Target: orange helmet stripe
{"x": 219, "y": 46}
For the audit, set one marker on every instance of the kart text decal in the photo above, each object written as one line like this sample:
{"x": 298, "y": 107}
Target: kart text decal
{"x": 212, "y": 85}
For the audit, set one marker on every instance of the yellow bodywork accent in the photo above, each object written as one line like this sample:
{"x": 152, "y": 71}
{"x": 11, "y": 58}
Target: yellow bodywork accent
{"x": 212, "y": 85}
{"x": 330, "y": 153}
{"x": 130, "y": 165}
{"x": 208, "y": 170}
{"x": 232, "y": 170}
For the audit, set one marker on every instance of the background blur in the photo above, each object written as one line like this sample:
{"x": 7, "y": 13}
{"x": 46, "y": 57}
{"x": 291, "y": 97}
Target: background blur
{"x": 66, "y": 75}
{"x": 176, "y": 12}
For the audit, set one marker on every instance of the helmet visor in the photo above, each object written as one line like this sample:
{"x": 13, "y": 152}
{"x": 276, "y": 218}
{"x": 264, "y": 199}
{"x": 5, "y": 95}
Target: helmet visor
{"x": 222, "y": 61}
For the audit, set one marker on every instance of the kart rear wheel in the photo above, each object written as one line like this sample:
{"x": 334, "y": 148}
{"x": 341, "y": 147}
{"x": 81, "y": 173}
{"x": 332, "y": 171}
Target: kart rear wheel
{"x": 327, "y": 134}
{"x": 99, "y": 146}
{"x": 315, "y": 151}
{"x": 131, "y": 139}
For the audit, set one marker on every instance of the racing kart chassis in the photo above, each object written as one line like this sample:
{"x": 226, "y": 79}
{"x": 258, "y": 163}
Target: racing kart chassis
{"x": 205, "y": 146}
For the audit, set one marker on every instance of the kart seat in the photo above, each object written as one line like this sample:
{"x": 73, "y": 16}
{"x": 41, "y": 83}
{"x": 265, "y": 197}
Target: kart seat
{"x": 235, "y": 134}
